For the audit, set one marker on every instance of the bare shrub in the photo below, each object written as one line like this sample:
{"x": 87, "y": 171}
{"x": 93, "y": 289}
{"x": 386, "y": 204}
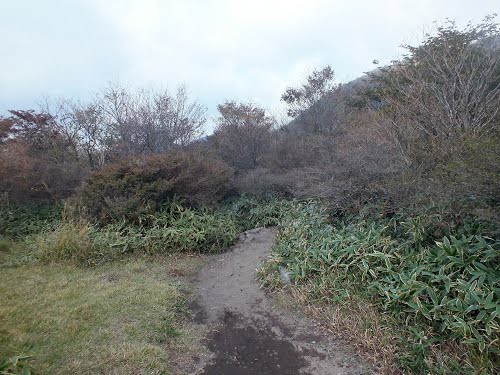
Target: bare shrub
{"x": 343, "y": 167}
{"x": 440, "y": 110}
{"x": 121, "y": 122}
{"x": 290, "y": 149}
{"x": 148, "y": 121}
{"x": 262, "y": 182}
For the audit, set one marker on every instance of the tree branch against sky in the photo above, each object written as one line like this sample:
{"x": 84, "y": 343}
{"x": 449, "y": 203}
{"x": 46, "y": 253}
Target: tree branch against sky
{"x": 219, "y": 49}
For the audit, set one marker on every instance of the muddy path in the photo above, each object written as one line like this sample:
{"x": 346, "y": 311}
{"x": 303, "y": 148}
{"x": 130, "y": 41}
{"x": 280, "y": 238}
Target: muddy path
{"x": 250, "y": 335}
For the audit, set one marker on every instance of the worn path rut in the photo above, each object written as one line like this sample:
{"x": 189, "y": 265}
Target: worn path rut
{"x": 253, "y": 336}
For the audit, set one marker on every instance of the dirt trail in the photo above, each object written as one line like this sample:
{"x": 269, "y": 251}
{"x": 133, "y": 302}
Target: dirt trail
{"x": 251, "y": 336}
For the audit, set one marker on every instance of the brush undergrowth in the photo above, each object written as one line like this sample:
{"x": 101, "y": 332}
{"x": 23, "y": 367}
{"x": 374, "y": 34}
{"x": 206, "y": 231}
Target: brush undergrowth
{"x": 441, "y": 290}
{"x": 174, "y": 228}
{"x": 18, "y": 221}
{"x": 249, "y": 212}
{"x": 434, "y": 274}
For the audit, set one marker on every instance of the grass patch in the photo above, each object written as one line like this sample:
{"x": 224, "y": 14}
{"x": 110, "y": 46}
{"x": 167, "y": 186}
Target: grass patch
{"x": 116, "y": 318}
{"x": 434, "y": 291}
{"x": 173, "y": 230}
{"x": 68, "y": 241}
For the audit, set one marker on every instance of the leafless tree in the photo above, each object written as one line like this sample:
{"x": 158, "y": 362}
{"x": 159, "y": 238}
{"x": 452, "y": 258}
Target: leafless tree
{"x": 148, "y": 121}
{"x": 120, "y": 122}
{"x": 94, "y": 132}
{"x": 84, "y": 127}
{"x": 448, "y": 85}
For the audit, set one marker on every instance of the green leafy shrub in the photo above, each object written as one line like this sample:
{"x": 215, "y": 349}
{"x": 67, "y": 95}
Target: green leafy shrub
{"x": 131, "y": 188}
{"x": 17, "y": 364}
{"x": 173, "y": 229}
{"x": 182, "y": 229}
{"x": 448, "y": 288}
{"x": 18, "y": 221}
{"x": 252, "y": 212}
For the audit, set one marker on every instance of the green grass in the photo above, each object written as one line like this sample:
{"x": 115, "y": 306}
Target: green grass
{"x": 170, "y": 231}
{"x": 174, "y": 229}
{"x": 116, "y": 318}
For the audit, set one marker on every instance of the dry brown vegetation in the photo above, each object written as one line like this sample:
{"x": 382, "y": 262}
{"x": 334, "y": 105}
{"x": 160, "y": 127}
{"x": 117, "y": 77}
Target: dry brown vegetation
{"x": 131, "y": 188}
{"x": 424, "y": 129}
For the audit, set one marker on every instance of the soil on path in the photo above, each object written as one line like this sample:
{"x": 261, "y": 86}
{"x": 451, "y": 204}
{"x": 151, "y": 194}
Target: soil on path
{"x": 253, "y": 336}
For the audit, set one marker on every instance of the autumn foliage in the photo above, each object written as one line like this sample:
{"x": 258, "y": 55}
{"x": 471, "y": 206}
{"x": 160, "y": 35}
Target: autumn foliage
{"x": 136, "y": 186}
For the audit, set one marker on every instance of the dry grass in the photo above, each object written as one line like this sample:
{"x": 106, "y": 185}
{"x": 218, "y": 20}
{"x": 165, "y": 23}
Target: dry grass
{"x": 356, "y": 323}
{"x": 372, "y": 334}
{"x": 68, "y": 241}
{"x": 121, "y": 317}
{"x": 369, "y": 332}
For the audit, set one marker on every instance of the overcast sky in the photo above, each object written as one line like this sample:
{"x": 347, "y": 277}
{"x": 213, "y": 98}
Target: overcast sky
{"x": 221, "y": 49}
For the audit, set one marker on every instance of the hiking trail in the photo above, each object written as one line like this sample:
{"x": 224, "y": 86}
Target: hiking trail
{"x": 250, "y": 334}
